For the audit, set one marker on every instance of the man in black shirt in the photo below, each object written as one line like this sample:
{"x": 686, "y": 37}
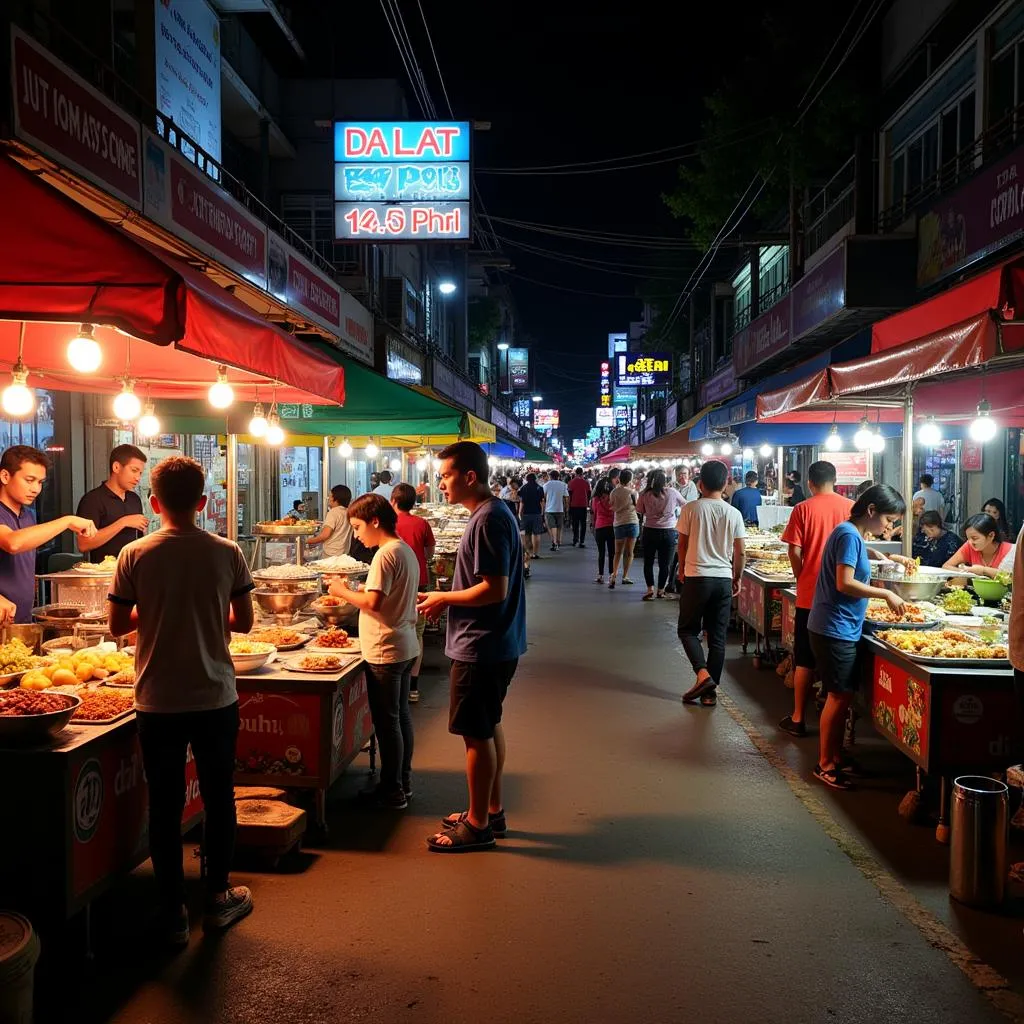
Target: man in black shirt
{"x": 114, "y": 506}
{"x": 531, "y": 497}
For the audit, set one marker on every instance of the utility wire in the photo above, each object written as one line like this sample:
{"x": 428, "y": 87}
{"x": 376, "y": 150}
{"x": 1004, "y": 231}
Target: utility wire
{"x": 548, "y": 254}
{"x": 576, "y": 291}
{"x": 437, "y": 64}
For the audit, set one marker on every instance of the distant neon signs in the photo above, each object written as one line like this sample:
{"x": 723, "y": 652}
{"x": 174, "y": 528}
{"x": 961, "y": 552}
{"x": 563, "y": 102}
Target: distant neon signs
{"x": 643, "y": 370}
{"x": 605, "y": 417}
{"x": 545, "y": 419}
{"x": 401, "y": 180}
{"x": 606, "y": 384}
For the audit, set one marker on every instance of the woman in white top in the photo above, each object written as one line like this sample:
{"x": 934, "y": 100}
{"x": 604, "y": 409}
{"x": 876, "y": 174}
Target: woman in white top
{"x": 659, "y": 505}
{"x": 626, "y": 524}
{"x": 336, "y": 533}
{"x": 387, "y": 635}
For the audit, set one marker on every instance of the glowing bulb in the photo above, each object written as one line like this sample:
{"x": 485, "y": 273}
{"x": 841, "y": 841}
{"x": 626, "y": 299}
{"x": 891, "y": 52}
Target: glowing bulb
{"x": 18, "y": 399}
{"x": 492, "y": 462}
{"x": 84, "y": 353}
{"x": 984, "y": 427}
{"x": 345, "y": 449}
{"x": 877, "y": 442}
{"x": 748, "y": 454}
{"x": 833, "y": 442}
{"x": 395, "y": 465}
{"x": 446, "y": 287}
{"x": 258, "y": 423}
{"x": 148, "y": 425}
{"x": 221, "y": 394}
{"x": 437, "y": 463}
{"x": 421, "y": 465}
{"x": 862, "y": 439}
{"x": 707, "y": 448}
{"x": 372, "y": 451}
{"x": 929, "y": 432}
{"x": 127, "y": 405}
{"x": 766, "y": 451}
{"x": 275, "y": 435}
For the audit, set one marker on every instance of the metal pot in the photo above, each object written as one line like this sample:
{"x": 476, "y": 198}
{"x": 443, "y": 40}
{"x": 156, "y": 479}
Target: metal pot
{"x": 283, "y": 606}
{"x": 916, "y": 589}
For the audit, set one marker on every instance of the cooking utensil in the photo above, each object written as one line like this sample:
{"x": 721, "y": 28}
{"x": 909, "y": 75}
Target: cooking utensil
{"x": 917, "y": 588}
{"x": 284, "y": 606}
{"x": 28, "y": 729}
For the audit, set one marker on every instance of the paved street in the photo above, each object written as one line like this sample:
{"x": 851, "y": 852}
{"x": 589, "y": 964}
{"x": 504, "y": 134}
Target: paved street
{"x": 659, "y": 868}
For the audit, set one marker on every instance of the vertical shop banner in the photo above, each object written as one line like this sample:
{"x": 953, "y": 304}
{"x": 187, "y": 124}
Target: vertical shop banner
{"x": 191, "y": 206}
{"x": 62, "y": 116}
{"x": 972, "y": 456}
{"x": 519, "y": 368}
{"x": 901, "y": 708}
{"x": 820, "y": 293}
{"x": 279, "y": 735}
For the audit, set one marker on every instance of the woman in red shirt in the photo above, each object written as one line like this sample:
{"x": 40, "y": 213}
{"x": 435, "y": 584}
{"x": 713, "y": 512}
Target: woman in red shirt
{"x": 983, "y": 554}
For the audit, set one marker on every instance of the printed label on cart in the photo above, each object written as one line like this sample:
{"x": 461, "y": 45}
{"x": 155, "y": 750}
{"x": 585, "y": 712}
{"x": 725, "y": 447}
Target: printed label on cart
{"x": 968, "y": 709}
{"x": 279, "y": 735}
{"x": 88, "y": 800}
{"x": 900, "y": 707}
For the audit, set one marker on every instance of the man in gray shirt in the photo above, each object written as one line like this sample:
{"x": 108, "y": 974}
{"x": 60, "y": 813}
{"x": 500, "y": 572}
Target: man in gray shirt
{"x": 934, "y": 501}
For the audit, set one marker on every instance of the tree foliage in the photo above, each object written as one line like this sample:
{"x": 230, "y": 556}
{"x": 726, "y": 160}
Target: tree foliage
{"x": 484, "y": 321}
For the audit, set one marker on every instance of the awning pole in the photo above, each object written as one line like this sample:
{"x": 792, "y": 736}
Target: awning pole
{"x": 908, "y": 473}
{"x": 232, "y": 475}
{"x": 325, "y": 477}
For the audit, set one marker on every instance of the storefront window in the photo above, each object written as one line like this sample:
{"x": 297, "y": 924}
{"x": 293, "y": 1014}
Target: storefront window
{"x": 300, "y": 480}
{"x": 943, "y": 462}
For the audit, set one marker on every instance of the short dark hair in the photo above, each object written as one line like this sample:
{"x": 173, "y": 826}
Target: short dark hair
{"x": 579, "y": 471}
{"x": 467, "y": 456}
{"x": 794, "y": 475}
{"x": 625, "y": 476}
{"x": 342, "y": 495}
{"x": 374, "y": 506}
{"x": 821, "y": 473}
{"x": 751, "y": 478}
{"x": 713, "y": 475}
{"x": 927, "y": 479}
{"x": 930, "y": 519}
{"x": 124, "y": 453}
{"x": 404, "y": 496}
{"x": 553, "y": 474}
{"x": 531, "y": 478}
{"x": 887, "y": 501}
{"x": 178, "y": 483}
{"x": 297, "y": 503}
{"x": 385, "y": 476}
{"x": 18, "y": 454}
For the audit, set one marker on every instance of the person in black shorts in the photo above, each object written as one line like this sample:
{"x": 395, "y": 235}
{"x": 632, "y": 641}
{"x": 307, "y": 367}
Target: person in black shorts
{"x": 485, "y": 639}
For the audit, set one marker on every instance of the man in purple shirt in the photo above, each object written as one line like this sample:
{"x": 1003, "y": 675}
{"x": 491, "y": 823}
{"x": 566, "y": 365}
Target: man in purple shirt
{"x": 22, "y": 472}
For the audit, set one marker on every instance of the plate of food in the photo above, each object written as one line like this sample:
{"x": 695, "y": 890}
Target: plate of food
{"x": 15, "y": 660}
{"x": 320, "y": 664}
{"x": 249, "y": 655}
{"x": 945, "y": 647}
{"x": 776, "y": 568}
{"x": 330, "y": 640}
{"x": 913, "y": 616}
{"x": 281, "y": 638}
{"x": 286, "y": 528}
{"x": 104, "y": 568}
{"x": 103, "y": 705}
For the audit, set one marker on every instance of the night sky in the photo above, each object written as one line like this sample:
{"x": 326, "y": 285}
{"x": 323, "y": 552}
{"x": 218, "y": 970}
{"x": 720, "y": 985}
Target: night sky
{"x": 563, "y": 82}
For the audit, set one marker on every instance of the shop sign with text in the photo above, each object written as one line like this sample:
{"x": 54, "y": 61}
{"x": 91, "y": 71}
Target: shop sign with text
{"x": 518, "y": 368}
{"x": 765, "y": 337}
{"x": 820, "y": 293}
{"x": 721, "y": 385}
{"x": 62, "y": 116}
{"x": 643, "y": 370}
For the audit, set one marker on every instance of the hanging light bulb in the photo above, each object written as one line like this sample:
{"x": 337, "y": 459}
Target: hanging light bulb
{"x": 345, "y": 449}
{"x": 929, "y": 433}
{"x": 395, "y": 465}
{"x": 127, "y": 405}
{"x": 275, "y": 435}
{"x": 726, "y": 448}
{"x": 18, "y": 399}
{"x": 862, "y": 439}
{"x": 877, "y": 442}
{"x": 84, "y": 352}
{"x": 221, "y": 394}
{"x": 372, "y": 451}
{"x": 766, "y": 451}
{"x": 984, "y": 427}
{"x": 258, "y": 423}
{"x": 833, "y": 442}
{"x": 148, "y": 425}
{"x": 437, "y": 463}
{"x": 707, "y": 449}
{"x": 421, "y": 465}
{"x": 748, "y": 454}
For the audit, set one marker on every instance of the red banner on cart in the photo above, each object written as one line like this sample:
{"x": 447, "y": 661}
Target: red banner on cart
{"x": 109, "y": 806}
{"x": 788, "y": 622}
{"x": 901, "y": 708}
{"x": 352, "y": 723}
{"x": 279, "y": 734}
{"x": 751, "y": 604}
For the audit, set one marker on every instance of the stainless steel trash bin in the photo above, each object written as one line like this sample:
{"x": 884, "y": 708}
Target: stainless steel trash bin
{"x": 977, "y": 853}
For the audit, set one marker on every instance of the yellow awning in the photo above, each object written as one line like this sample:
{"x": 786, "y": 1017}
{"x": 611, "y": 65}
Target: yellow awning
{"x": 478, "y": 430}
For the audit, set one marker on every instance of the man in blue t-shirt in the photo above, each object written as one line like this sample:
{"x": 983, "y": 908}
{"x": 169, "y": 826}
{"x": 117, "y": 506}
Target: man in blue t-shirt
{"x": 531, "y": 498}
{"x": 747, "y": 499}
{"x": 486, "y": 637}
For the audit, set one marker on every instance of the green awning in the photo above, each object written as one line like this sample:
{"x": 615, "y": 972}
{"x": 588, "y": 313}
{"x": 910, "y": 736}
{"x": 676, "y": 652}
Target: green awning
{"x": 534, "y": 456}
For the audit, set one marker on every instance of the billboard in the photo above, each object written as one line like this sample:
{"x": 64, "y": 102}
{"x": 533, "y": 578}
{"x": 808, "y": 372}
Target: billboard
{"x": 518, "y": 368}
{"x": 606, "y": 384}
{"x": 545, "y": 419}
{"x": 187, "y": 45}
{"x": 643, "y": 370}
{"x": 401, "y": 181}
{"x": 605, "y": 416}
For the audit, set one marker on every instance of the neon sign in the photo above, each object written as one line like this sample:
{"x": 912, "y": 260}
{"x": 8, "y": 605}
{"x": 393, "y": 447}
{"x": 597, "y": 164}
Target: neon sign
{"x": 606, "y": 384}
{"x": 643, "y": 371}
{"x": 401, "y": 181}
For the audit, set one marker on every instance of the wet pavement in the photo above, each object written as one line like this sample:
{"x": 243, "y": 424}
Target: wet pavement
{"x": 659, "y": 867}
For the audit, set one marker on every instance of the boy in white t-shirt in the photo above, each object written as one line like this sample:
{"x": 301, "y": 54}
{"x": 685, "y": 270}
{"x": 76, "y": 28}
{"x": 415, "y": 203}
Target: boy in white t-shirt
{"x": 711, "y": 559}
{"x": 556, "y": 503}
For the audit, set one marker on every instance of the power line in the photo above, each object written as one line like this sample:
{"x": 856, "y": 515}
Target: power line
{"x": 576, "y": 291}
{"x": 600, "y": 238}
{"x": 832, "y": 49}
{"x": 437, "y": 64}
{"x": 591, "y": 264}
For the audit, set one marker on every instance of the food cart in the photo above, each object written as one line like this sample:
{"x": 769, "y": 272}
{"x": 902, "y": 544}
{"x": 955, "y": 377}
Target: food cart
{"x": 760, "y": 611}
{"x": 789, "y": 618}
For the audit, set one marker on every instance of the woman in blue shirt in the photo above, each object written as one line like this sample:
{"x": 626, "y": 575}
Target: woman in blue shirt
{"x": 837, "y": 618}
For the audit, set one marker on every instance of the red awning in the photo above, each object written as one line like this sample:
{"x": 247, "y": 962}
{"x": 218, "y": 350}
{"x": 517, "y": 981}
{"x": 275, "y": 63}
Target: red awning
{"x": 1000, "y": 287}
{"x": 59, "y": 262}
{"x": 620, "y": 454}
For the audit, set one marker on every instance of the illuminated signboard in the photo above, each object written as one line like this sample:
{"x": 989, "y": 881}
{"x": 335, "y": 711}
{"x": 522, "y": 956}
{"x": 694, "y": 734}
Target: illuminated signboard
{"x": 643, "y": 370}
{"x": 545, "y": 419}
{"x": 401, "y": 181}
{"x": 606, "y": 384}
{"x": 518, "y": 368}
{"x": 605, "y": 417}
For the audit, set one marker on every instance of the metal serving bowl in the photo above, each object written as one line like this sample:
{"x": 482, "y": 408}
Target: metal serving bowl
{"x": 283, "y": 606}
{"x": 332, "y": 614}
{"x": 29, "y": 729}
{"x": 918, "y": 588}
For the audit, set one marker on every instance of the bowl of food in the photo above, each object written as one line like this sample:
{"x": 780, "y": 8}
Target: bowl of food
{"x": 249, "y": 655}
{"x": 331, "y": 610}
{"x": 283, "y": 605}
{"x": 30, "y": 716}
{"x": 989, "y": 590}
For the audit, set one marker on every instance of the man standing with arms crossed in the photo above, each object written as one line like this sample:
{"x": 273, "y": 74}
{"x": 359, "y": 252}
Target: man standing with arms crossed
{"x": 486, "y": 637}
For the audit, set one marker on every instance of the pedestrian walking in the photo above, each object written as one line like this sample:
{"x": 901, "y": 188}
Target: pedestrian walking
{"x": 579, "y": 502}
{"x": 556, "y": 504}
{"x": 659, "y": 505}
{"x": 627, "y": 527}
{"x": 185, "y": 590}
{"x": 531, "y": 505}
{"x": 486, "y": 636}
{"x": 837, "y": 619}
{"x": 387, "y": 636}
{"x": 604, "y": 525}
{"x": 711, "y": 559}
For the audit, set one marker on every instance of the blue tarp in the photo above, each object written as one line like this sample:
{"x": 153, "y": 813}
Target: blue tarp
{"x": 787, "y": 435}
{"x": 503, "y": 450}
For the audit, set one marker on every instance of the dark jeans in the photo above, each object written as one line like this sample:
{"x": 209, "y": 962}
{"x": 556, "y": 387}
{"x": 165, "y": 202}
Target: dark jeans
{"x": 579, "y": 525}
{"x": 388, "y": 689}
{"x": 164, "y": 739}
{"x": 704, "y": 606}
{"x": 605, "y": 537}
{"x": 658, "y": 543}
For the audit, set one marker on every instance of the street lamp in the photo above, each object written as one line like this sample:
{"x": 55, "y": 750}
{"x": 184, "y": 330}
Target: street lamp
{"x": 447, "y": 287}
{"x": 538, "y": 398}
{"x": 502, "y": 346}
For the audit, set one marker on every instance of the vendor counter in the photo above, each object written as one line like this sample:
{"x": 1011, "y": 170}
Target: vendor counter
{"x": 760, "y": 610}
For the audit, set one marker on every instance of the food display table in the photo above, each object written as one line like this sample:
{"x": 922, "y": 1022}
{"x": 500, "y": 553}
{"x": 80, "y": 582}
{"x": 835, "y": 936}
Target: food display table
{"x": 948, "y": 720}
{"x": 760, "y": 611}
{"x": 81, "y": 798}
{"x": 300, "y": 730}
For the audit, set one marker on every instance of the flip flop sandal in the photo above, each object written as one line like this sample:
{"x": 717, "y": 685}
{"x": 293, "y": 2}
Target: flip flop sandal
{"x": 708, "y": 700}
{"x": 497, "y": 822}
{"x": 463, "y": 838}
{"x": 647, "y": 597}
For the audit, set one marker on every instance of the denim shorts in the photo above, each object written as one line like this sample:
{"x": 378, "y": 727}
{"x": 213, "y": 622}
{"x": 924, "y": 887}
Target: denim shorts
{"x": 629, "y": 530}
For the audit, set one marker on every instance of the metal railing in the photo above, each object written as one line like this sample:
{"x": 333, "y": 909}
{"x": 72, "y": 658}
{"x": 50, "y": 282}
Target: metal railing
{"x": 773, "y": 295}
{"x": 828, "y": 209}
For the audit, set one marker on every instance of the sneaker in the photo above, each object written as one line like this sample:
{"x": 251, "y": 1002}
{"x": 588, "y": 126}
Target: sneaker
{"x": 383, "y": 800}
{"x": 611, "y": 583}
{"x": 699, "y": 688}
{"x": 554, "y": 547}
{"x": 600, "y": 579}
{"x": 627, "y": 581}
{"x": 175, "y": 928}
{"x": 833, "y": 778}
{"x": 526, "y": 574}
{"x": 224, "y": 910}
{"x": 407, "y": 787}
{"x": 793, "y": 728}
{"x": 414, "y": 696}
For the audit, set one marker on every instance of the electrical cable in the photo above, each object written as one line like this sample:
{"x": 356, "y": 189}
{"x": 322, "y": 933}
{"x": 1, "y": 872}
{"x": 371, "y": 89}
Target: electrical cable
{"x": 437, "y": 64}
{"x": 549, "y": 254}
